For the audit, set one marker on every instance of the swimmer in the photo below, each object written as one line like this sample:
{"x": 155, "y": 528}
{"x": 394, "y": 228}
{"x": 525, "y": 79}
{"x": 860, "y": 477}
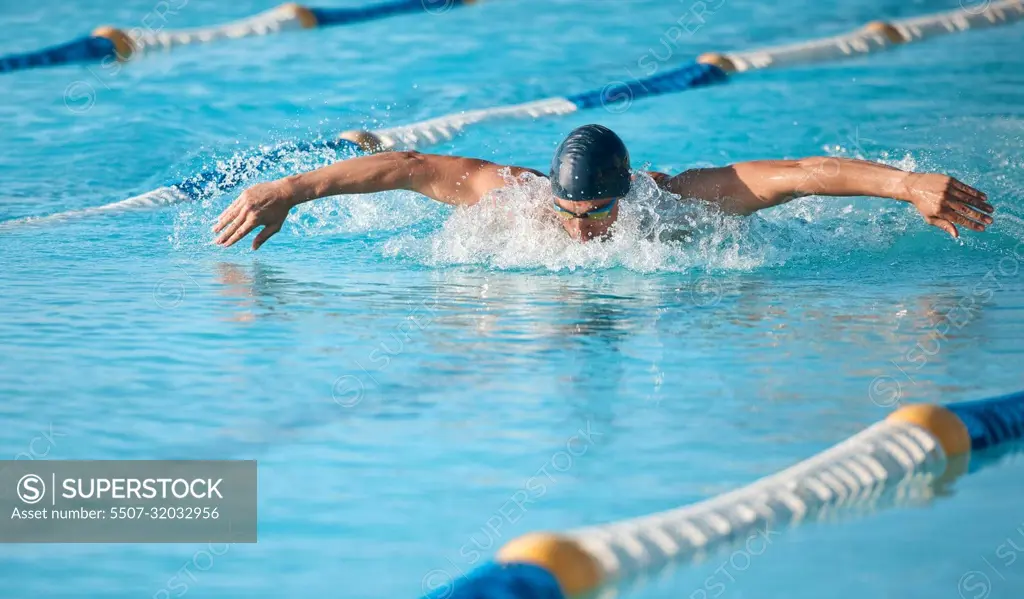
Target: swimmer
{"x": 590, "y": 175}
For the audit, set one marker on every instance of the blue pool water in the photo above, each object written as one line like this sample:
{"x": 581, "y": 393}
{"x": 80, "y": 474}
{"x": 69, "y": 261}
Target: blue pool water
{"x": 401, "y": 370}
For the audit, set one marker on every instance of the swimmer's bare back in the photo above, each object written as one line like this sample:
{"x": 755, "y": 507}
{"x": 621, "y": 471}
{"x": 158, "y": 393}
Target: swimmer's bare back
{"x": 741, "y": 188}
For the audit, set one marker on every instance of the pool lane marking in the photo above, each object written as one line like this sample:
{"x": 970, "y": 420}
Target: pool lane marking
{"x": 708, "y": 69}
{"x": 873, "y": 37}
{"x": 107, "y": 42}
{"x": 916, "y": 444}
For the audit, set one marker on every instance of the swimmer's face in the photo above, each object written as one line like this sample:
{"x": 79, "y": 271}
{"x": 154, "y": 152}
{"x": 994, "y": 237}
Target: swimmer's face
{"x": 581, "y": 226}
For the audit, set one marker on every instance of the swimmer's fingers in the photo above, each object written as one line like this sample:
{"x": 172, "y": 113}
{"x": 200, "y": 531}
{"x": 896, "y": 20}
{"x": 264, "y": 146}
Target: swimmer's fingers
{"x": 246, "y": 228}
{"x": 955, "y": 217}
{"x": 227, "y": 229}
{"x": 238, "y": 229}
{"x": 267, "y": 232}
{"x": 971, "y": 200}
{"x": 969, "y": 191}
{"x": 229, "y": 214}
{"x": 972, "y": 212}
{"x": 943, "y": 224}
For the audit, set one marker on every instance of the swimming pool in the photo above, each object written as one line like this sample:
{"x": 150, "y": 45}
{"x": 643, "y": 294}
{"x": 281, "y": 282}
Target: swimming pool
{"x": 695, "y": 368}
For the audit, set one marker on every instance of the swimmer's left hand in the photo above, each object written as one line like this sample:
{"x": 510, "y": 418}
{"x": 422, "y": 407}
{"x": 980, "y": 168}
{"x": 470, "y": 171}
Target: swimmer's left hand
{"x": 945, "y": 202}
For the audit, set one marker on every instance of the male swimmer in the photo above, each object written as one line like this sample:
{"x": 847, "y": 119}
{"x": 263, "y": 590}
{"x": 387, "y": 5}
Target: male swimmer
{"x": 590, "y": 175}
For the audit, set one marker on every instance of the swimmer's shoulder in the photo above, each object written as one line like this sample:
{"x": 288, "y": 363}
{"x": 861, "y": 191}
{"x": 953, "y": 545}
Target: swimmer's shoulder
{"x": 510, "y": 175}
{"x": 660, "y": 179}
{"x": 484, "y": 177}
{"x": 522, "y": 173}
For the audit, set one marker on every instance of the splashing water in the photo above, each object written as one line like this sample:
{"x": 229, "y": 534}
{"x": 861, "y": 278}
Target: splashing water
{"x": 513, "y": 228}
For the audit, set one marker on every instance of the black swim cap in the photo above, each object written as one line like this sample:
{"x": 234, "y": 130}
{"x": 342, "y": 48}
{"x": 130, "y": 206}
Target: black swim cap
{"x": 591, "y": 163}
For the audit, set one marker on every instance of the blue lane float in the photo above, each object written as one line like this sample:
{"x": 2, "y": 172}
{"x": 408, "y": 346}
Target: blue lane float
{"x": 500, "y": 581}
{"x": 326, "y": 17}
{"x": 86, "y": 49}
{"x": 689, "y": 76}
{"x": 206, "y": 183}
{"x": 125, "y": 44}
{"x": 992, "y": 422}
{"x": 238, "y": 170}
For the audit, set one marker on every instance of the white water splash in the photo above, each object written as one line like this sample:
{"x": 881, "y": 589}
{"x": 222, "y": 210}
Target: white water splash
{"x": 514, "y": 229}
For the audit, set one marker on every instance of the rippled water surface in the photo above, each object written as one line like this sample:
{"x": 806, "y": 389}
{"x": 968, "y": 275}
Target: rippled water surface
{"x": 401, "y": 369}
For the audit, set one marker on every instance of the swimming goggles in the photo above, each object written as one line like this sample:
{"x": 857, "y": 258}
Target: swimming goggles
{"x": 596, "y": 214}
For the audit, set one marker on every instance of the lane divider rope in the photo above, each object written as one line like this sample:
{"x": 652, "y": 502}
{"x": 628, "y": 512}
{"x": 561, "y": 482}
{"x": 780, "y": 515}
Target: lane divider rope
{"x": 919, "y": 442}
{"x": 125, "y": 44}
{"x": 205, "y": 183}
{"x": 875, "y": 36}
{"x": 709, "y": 68}
{"x": 432, "y": 131}
{"x": 239, "y": 170}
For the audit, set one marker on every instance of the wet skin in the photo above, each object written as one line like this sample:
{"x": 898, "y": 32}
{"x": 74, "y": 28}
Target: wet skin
{"x": 738, "y": 189}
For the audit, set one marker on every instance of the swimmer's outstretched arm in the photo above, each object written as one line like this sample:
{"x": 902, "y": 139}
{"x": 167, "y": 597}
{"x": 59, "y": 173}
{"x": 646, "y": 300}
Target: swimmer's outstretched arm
{"x": 449, "y": 179}
{"x": 747, "y": 187}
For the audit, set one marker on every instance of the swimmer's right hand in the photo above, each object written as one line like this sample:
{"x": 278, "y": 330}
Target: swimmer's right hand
{"x": 266, "y": 205}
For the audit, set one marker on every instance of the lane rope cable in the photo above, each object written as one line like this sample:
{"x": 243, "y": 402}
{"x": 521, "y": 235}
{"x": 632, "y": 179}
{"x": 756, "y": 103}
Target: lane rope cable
{"x": 916, "y": 446}
{"x": 709, "y": 68}
{"x": 112, "y": 43}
